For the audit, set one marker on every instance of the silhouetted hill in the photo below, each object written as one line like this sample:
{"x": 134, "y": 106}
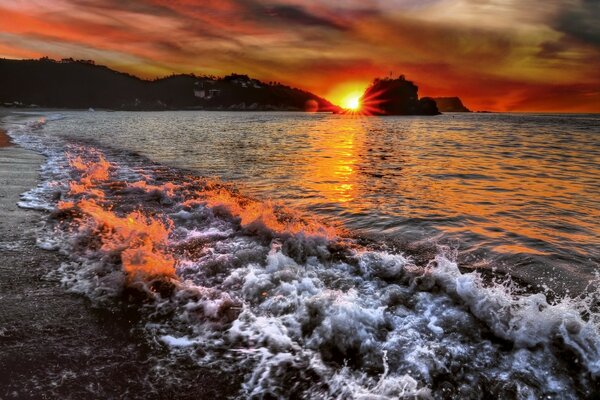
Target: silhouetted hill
{"x": 82, "y": 84}
{"x": 450, "y": 104}
{"x": 396, "y": 97}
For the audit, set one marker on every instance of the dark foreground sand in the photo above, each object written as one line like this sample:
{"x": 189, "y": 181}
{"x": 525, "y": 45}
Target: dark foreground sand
{"x": 53, "y": 344}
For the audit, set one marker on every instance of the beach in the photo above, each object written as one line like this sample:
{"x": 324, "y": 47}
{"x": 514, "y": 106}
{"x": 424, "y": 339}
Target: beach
{"x": 47, "y": 334}
{"x": 54, "y": 343}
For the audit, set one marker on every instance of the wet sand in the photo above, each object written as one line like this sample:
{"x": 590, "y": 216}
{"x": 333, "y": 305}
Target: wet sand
{"x": 54, "y": 344}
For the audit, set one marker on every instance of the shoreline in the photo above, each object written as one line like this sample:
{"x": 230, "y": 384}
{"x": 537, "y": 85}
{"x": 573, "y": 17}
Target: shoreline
{"x": 55, "y": 344}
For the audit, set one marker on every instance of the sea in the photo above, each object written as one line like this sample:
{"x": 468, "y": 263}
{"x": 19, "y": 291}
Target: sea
{"x": 327, "y": 256}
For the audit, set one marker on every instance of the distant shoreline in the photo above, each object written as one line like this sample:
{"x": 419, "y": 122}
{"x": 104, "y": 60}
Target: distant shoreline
{"x": 83, "y": 84}
{"x": 58, "y": 109}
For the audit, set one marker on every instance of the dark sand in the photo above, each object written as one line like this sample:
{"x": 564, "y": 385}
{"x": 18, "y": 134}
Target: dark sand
{"x": 54, "y": 344}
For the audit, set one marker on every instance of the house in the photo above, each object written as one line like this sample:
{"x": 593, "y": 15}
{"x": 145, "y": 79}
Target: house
{"x": 202, "y": 90}
{"x": 213, "y": 93}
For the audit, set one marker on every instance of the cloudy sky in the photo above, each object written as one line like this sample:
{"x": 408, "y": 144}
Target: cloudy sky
{"x": 525, "y": 55}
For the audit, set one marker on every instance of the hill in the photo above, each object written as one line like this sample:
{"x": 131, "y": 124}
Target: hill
{"x": 450, "y": 104}
{"x": 72, "y": 83}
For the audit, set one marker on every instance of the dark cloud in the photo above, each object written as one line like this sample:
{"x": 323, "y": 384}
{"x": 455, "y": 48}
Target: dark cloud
{"x": 581, "y": 22}
{"x": 553, "y": 50}
{"x": 298, "y": 15}
{"x": 141, "y": 7}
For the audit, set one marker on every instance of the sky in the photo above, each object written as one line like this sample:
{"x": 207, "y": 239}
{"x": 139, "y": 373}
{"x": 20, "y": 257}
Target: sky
{"x": 499, "y": 55}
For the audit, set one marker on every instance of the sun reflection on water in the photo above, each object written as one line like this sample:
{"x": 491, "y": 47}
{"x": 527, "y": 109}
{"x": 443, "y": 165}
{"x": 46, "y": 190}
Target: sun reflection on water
{"x": 331, "y": 170}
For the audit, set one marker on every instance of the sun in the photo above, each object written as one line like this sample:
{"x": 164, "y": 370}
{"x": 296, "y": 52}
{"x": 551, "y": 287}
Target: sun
{"x": 352, "y": 103}
{"x": 348, "y": 95}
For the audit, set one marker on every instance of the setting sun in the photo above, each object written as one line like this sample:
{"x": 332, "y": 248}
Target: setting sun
{"x": 348, "y": 94}
{"x": 352, "y": 103}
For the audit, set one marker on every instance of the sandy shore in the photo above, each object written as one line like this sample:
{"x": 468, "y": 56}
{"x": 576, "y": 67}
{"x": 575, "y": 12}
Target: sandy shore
{"x": 53, "y": 344}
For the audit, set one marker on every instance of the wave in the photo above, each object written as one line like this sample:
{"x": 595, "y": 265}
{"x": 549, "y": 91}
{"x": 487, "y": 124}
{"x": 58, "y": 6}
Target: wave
{"x": 303, "y": 308}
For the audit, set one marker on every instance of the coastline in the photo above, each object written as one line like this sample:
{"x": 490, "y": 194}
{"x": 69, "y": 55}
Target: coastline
{"x": 54, "y": 344}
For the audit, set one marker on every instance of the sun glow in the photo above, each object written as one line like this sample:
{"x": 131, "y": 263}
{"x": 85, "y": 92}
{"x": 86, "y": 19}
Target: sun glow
{"x": 348, "y": 95}
{"x": 352, "y": 103}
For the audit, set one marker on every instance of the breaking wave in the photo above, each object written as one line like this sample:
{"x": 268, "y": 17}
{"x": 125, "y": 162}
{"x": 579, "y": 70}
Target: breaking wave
{"x": 305, "y": 309}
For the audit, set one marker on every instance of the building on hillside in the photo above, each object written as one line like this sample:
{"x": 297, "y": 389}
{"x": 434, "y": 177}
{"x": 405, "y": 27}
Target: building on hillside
{"x": 203, "y": 90}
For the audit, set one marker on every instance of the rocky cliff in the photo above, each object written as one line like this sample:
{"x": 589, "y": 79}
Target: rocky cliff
{"x": 396, "y": 97}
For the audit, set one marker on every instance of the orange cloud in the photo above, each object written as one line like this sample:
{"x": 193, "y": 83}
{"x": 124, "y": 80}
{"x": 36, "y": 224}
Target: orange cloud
{"x": 500, "y": 58}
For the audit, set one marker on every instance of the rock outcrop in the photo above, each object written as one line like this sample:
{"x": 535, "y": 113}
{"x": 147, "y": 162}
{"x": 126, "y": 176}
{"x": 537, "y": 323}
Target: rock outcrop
{"x": 450, "y": 104}
{"x": 396, "y": 97}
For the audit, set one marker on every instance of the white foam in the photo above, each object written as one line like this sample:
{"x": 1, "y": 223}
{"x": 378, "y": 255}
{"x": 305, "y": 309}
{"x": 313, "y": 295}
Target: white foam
{"x": 178, "y": 341}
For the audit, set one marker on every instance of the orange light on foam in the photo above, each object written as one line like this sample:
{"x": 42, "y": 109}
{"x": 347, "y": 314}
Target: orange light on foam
{"x": 140, "y": 239}
{"x": 272, "y": 215}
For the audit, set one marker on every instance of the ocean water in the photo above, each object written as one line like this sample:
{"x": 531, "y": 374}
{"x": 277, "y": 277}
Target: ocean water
{"x": 327, "y": 256}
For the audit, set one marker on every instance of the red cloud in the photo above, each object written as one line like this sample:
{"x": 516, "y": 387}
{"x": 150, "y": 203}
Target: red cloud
{"x": 315, "y": 46}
